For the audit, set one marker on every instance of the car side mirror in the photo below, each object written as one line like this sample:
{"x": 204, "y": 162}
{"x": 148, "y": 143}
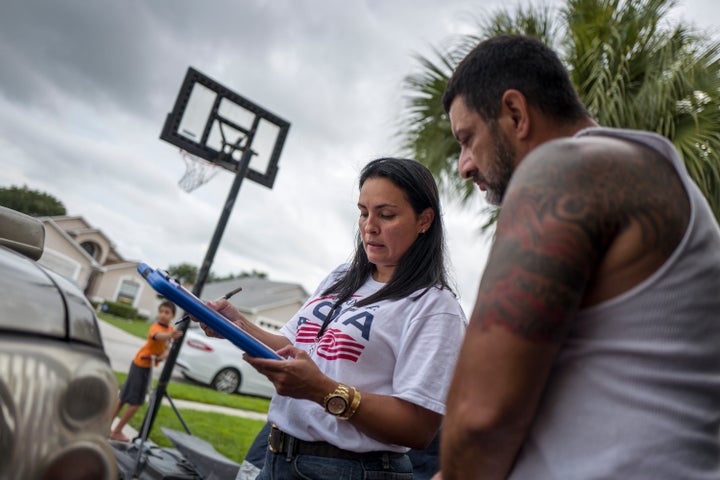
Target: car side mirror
{"x": 22, "y": 233}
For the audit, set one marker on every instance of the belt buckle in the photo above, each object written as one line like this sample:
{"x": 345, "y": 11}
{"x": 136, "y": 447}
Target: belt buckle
{"x": 279, "y": 437}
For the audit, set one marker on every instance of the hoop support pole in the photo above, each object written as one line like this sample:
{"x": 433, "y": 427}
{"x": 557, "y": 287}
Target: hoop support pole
{"x": 166, "y": 373}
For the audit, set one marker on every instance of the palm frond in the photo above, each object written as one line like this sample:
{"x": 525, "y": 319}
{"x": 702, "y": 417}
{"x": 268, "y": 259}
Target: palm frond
{"x": 632, "y": 65}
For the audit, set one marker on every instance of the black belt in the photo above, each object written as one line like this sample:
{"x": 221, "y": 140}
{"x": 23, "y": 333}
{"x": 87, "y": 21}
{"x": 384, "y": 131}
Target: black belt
{"x": 280, "y": 442}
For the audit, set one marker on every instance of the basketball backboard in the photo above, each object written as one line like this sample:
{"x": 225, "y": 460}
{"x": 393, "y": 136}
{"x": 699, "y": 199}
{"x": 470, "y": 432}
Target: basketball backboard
{"x": 218, "y": 125}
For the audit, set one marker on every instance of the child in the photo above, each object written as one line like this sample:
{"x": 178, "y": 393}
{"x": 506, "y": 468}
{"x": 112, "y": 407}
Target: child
{"x": 133, "y": 391}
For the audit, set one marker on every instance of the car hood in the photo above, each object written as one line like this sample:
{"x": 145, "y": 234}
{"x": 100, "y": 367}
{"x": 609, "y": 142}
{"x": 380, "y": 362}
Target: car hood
{"x": 36, "y": 301}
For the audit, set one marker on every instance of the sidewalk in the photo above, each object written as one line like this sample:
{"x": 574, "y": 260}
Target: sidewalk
{"x": 188, "y": 405}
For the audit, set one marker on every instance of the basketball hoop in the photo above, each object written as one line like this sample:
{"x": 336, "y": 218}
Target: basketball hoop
{"x": 198, "y": 171}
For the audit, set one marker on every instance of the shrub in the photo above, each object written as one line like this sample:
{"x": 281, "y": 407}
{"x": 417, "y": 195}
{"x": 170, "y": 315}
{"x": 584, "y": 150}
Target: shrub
{"x": 119, "y": 309}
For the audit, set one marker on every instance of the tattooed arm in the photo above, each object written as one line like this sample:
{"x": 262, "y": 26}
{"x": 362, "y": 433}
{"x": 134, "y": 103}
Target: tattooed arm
{"x": 580, "y": 221}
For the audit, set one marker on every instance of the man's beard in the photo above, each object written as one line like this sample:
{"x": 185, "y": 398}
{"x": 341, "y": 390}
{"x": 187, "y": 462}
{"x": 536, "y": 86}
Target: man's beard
{"x": 499, "y": 173}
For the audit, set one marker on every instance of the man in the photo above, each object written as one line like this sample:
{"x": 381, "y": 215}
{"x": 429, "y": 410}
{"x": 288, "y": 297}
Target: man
{"x": 593, "y": 350}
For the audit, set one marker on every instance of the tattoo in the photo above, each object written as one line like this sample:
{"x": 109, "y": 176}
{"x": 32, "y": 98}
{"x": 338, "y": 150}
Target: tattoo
{"x": 565, "y": 207}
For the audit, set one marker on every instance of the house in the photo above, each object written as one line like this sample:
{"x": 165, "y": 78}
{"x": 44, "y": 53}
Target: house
{"x": 266, "y": 303}
{"x": 85, "y": 255}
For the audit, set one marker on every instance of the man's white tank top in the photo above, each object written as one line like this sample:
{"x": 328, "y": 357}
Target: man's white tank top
{"x": 635, "y": 391}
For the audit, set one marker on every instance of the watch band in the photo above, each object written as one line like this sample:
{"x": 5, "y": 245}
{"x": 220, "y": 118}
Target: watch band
{"x": 353, "y": 405}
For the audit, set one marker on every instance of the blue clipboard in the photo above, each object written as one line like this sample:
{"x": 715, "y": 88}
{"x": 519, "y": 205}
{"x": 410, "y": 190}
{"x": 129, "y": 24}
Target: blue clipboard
{"x": 171, "y": 289}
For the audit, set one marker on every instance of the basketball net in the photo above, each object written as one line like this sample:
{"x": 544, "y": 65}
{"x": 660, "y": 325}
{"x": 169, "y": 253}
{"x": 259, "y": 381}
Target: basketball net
{"x": 198, "y": 171}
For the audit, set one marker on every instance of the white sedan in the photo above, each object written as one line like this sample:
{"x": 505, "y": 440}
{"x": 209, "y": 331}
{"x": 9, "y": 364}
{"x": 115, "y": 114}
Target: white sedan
{"x": 219, "y": 363}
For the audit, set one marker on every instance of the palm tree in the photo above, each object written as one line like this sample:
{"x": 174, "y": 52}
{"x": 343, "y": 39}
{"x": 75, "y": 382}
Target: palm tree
{"x": 632, "y": 69}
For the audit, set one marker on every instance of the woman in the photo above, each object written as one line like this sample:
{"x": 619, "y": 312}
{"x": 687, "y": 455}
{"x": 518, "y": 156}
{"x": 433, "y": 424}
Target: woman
{"x": 370, "y": 355}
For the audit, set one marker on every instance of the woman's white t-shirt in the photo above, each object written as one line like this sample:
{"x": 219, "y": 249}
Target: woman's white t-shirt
{"x": 406, "y": 348}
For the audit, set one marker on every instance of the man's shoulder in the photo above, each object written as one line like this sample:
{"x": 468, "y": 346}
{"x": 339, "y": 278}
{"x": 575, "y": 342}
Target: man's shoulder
{"x": 588, "y": 164}
{"x": 567, "y": 151}
{"x": 620, "y": 201}
{"x": 604, "y": 179}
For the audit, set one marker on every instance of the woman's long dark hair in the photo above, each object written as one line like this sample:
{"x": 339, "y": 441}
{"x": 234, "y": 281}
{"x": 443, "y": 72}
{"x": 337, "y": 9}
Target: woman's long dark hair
{"x": 423, "y": 265}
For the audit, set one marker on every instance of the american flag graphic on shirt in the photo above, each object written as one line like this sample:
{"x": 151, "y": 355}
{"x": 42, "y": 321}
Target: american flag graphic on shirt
{"x": 334, "y": 345}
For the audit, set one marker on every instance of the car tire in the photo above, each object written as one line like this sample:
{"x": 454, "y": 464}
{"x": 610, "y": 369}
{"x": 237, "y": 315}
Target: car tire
{"x": 226, "y": 380}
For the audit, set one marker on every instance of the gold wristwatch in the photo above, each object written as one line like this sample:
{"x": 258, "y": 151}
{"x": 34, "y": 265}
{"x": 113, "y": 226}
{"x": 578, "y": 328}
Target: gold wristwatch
{"x": 337, "y": 402}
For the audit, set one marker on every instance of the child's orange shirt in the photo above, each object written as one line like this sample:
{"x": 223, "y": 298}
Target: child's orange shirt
{"x": 152, "y": 346}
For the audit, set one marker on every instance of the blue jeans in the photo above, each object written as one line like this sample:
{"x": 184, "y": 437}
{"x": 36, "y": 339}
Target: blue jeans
{"x": 309, "y": 467}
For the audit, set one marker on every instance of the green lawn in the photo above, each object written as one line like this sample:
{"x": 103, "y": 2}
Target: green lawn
{"x": 229, "y": 434}
{"x": 138, "y": 328}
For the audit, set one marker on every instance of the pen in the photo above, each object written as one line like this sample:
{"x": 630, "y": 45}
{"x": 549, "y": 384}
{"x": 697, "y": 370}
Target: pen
{"x": 231, "y": 293}
{"x": 226, "y": 297}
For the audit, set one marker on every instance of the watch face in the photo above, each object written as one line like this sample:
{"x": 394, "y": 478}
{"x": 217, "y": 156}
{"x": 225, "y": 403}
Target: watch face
{"x": 336, "y": 405}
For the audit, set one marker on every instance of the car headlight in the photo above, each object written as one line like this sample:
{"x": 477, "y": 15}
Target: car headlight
{"x": 56, "y": 400}
{"x": 86, "y": 399}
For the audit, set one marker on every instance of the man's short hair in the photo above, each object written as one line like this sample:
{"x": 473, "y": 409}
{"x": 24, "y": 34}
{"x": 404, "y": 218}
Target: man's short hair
{"x": 514, "y": 62}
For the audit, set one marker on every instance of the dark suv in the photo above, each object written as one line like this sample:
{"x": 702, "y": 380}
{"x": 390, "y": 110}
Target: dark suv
{"x": 57, "y": 390}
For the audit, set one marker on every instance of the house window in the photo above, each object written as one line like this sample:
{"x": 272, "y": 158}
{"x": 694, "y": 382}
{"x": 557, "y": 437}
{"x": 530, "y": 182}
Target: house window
{"x": 128, "y": 292}
{"x": 92, "y": 249}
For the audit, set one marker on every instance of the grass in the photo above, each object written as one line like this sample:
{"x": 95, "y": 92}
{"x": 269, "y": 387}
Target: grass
{"x": 229, "y": 434}
{"x": 139, "y": 328}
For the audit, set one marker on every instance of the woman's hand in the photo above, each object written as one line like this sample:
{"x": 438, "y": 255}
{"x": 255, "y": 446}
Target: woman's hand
{"x": 230, "y": 312}
{"x": 384, "y": 417}
{"x": 296, "y": 377}
{"x": 227, "y": 310}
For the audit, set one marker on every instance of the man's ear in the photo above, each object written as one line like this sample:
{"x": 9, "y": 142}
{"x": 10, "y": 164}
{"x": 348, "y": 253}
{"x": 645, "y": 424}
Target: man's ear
{"x": 514, "y": 110}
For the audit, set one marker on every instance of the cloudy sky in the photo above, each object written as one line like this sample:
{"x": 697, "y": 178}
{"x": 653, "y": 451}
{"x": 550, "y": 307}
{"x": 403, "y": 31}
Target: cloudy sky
{"x": 85, "y": 87}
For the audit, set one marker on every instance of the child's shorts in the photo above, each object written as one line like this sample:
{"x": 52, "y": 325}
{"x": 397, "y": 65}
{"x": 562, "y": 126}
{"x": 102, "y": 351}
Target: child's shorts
{"x": 136, "y": 385}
